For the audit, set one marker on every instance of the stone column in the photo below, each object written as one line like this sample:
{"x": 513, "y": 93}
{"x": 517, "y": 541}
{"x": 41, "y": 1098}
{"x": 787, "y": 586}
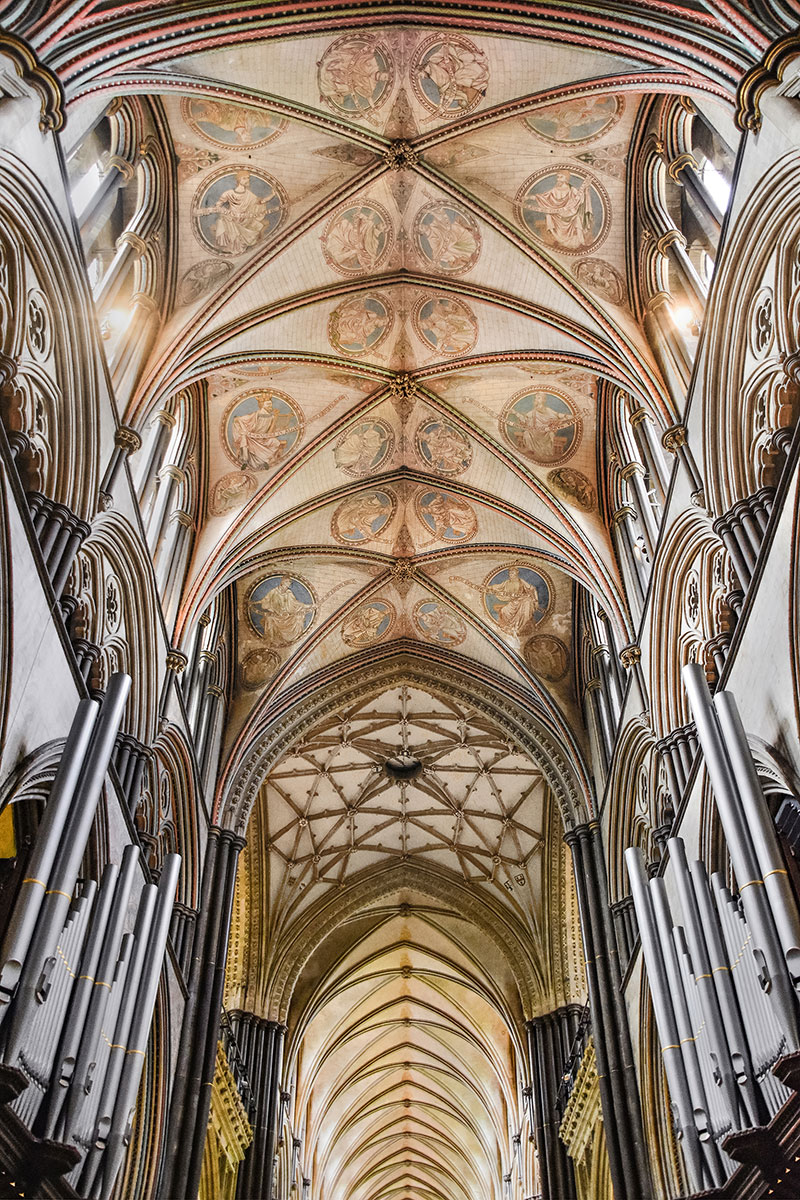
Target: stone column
{"x": 126, "y": 441}
{"x": 163, "y": 424}
{"x": 548, "y": 1054}
{"x": 619, "y": 1093}
{"x": 176, "y": 664}
{"x": 633, "y": 474}
{"x": 675, "y": 440}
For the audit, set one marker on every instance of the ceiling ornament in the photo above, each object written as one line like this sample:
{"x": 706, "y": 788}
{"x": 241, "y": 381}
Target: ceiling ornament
{"x": 445, "y": 325}
{"x": 565, "y": 208}
{"x": 236, "y": 209}
{"x": 280, "y": 609}
{"x": 544, "y": 425}
{"x": 357, "y": 238}
{"x": 260, "y": 427}
{"x": 356, "y": 75}
{"x": 449, "y": 76}
{"x": 364, "y": 447}
{"x": 232, "y": 126}
{"x": 400, "y": 155}
{"x": 573, "y": 122}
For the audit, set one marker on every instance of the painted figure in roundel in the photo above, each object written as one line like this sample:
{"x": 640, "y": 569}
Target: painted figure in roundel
{"x": 227, "y": 124}
{"x": 230, "y": 491}
{"x": 439, "y": 624}
{"x": 573, "y": 487}
{"x": 446, "y": 325}
{"x": 368, "y": 624}
{"x": 442, "y": 447}
{"x": 360, "y": 324}
{"x": 542, "y": 425}
{"x": 449, "y": 75}
{"x": 237, "y": 209}
{"x": 601, "y": 277}
{"x": 260, "y": 428}
{"x": 546, "y": 656}
{"x": 357, "y": 238}
{"x": 580, "y": 120}
{"x": 203, "y": 277}
{"x": 447, "y": 237}
{"x": 364, "y": 447}
{"x": 257, "y": 667}
{"x": 446, "y": 516}
{"x": 280, "y": 609}
{"x": 566, "y": 208}
{"x": 517, "y": 599}
{"x": 355, "y": 75}
{"x": 361, "y": 518}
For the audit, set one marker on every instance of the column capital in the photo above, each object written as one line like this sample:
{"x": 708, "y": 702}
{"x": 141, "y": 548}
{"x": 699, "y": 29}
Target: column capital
{"x": 673, "y": 438}
{"x": 625, "y": 511}
{"x": 630, "y": 656}
{"x": 632, "y": 468}
{"x": 638, "y": 416}
{"x": 127, "y": 439}
{"x": 176, "y": 661}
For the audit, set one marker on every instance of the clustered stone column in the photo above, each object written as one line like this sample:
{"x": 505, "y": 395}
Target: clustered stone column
{"x": 261, "y": 1045}
{"x": 197, "y": 1052}
{"x": 549, "y": 1041}
{"x": 619, "y": 1092}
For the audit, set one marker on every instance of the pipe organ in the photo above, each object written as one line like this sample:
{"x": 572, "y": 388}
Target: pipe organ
{"x": 722, "y": 964}
{"x": 80, "y": 966}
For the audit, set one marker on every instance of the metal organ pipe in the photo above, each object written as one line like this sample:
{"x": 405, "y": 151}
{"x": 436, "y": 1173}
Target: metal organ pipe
{"x": 762, "y": 831}
{"x": 32, "y": 893}
{"x": 665, "y": 1019}
{"x": 748, "y": 877}
{"x": 119, "y": 1131}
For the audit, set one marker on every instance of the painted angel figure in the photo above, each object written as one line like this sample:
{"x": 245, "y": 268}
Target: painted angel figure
{"x": 241, "y": 217}
{"x": 567, "y": 209}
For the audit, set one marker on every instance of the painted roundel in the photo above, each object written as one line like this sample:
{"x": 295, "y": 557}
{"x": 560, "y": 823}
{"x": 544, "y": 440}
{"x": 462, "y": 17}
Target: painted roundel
{"x": 357, "y": 238}
{"x": 565, "y": 208}
{"x": 447, "y": 237}
{"x": 517, "y": 599}
{"x": 449, "y": 75}
{"x": 227, "y": 124}
{"x": 364, "y": 447}
{"x": 445, "y": 515}
{"x": 369, "y": 623}
{"x": 361, "y": 518}
{"x": 573, "y": 121}
{"x": 260, "y": 428}
{"x": 360, "y": 324}
{"x": 355, "y": 75}
{"x": 445, "y": 325}
{"x": 237, "y": 209}
{"x": 257, "y": 667}
{"x": 546, "y": 656}
{"x": 280, "y": 609}
{"x": 442, "y": 447}
{"x": 543, "y": 425}
{"x": 573, "y": 487}
{"x": 437, "y": 623}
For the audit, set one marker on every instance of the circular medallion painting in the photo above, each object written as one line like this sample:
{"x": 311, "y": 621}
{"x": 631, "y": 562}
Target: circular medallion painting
{"x": 517, "y": 599}
{"x": 573, "y": 487}
{"x": 439, "y": 624}
{"x": 364, "y": 447}
{"x": 260, "y": 428}
{"x": 280, "y": 609}
{"x": 361, "y": 518}
{"x": 227, "y": 124}
{"x": 542, "y": 425}
{"x": 231, "y": 491}
{"x": 546, "y": 656}
{"x": 257, "y": 667}
{"x": 579, "y": 120}
{"x": 446, "y": 325}
{"x": 449, "y": 75}
{"x": 601, "y": 277}
{"x": 237, "y": 209}
{"x": 360, "y": 324}
{"x": 369, "y": 623}
{"x": 355, "y": 75}
{"x": 442, "y": 447}
{"x": 203, "y": 277}
{"x": 357, "y": 238}
{"x": 447, "y": 237}
{"x": 565, "y": 208}
{"x": 446, "y": 516}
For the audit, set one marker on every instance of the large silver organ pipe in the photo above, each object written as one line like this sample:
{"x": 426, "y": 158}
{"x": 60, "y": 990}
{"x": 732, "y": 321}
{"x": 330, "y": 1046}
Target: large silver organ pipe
{"x": 742, "y": 852}
{"x": 677, "y": 1082}
{"x": 48, "y": 839}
